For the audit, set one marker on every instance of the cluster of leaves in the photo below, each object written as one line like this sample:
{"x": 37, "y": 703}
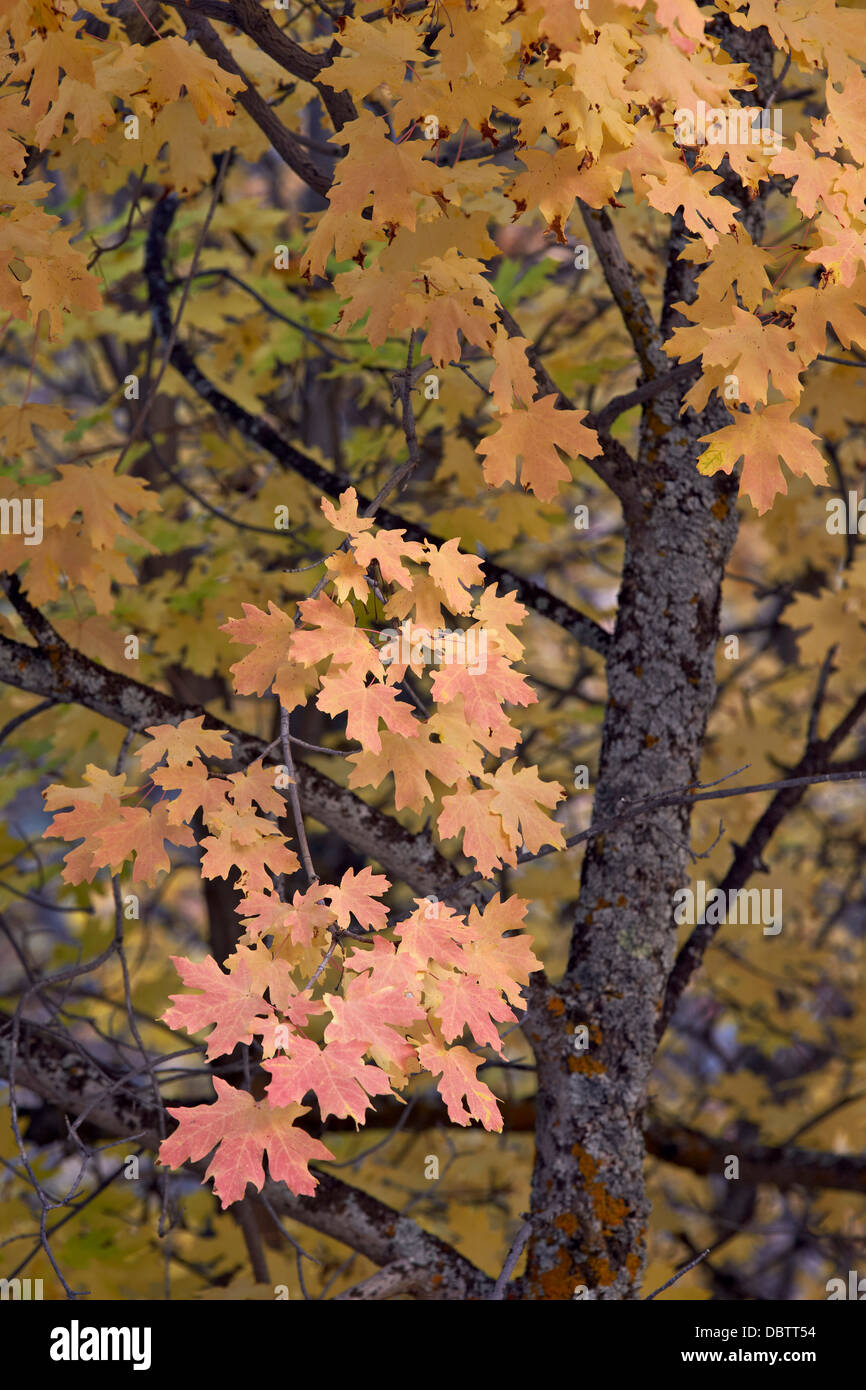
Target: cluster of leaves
{"x": 401, "y": 1005}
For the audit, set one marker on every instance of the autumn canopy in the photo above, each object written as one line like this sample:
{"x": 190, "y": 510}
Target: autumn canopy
{"x": 383, "y": 391}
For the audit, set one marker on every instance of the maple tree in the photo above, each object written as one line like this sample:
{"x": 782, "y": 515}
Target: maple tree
{"x": 375, "y": 550}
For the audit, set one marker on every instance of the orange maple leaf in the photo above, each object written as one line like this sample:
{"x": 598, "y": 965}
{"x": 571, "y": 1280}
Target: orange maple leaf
{"x": 453, "y": 573}
{"x": 135, "y": 830}
{"x": 517, "y": 799}
{"x": 195, "y": 790}
{"x": 269, "y": 664}
{"x": 354, "y": 898}
{"x": 432, "y": 932}
{"x": 389, "y": 550}
{"x": 182, "y": 743}
{"x": 95, "y": 492}
{"x": 533, "y": 435}
{"x": 761, "y": 439}
{"x": 470, "y": 813}
{"x": 458, "y": 1066}
{"x": 222, "y": 854}
{"x": 410, "y": 762}
{"x": 336, "y": 637}
{"x": 484, "y": 691}
{"x": 370, "y": 1016}
{"x": 86, "y": 819}
{"x": 365, "y": 705}
{"x": 460, "y": 1002}
{"x": 499, "y": 961}
{"x": 345, "y": 517}
{"x": 256, "y": 784}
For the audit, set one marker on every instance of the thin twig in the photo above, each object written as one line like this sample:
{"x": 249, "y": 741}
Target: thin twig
{"x": 511, "y": 1261}
{"x": 685, "y": 1269}
{"x": 294, "y": 799}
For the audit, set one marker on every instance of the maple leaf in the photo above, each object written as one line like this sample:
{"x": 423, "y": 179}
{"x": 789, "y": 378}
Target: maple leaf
{"x": 842, "y": 250}
{"x": 517, "y": 797}
{"x": 370, "y": 1016}
{"x": 453, "y": 573}
{"x": 265, "y": 913}
{"x": 433, "y": 931}
{"x": 835, "y": 304}
{"x": 410, "y": 761}
{"x": 87, "y": 818}
{"x": 390, "y": 175}
{"x": 744, "y": 345}
{"x": 761, "y": 439}
{"x": 175, "y": 64}
{"x": 256, "y": 784}
{"x": 112, "y": 832}
{"x": 736, "y": 262}
{"x": 135, "y": 830}
{"x": 345, "y": 518}
{"x": 242, "y": 1130}
{"x": 181, "y": 743}
{"x": 496, "y": 613}
{"x": 703, "y": 212}
{"x": 195, "y": 790}
{"x": 244, "y": 827}
{"x": 364, "y": 706}
{"x": 336, "y": 638}
{"x": 483, "y": 691}
{"x": 269, "y": 665}
{"x": 99, "y": 785}
{"x": 347, "y": 576}
{"x": 96, "y": 491}
{"x": 341, "y": 1081}
{"x": 552, "y": 182}
{"x": 459, "y": 1002}
{"x": 471, "y": 813}
{"x": 387, "y": 966}
{"x": 229, "y": 1001}
{"x": 533, "y": 436}
{"x": 388, "y": 550}
{"x": 457, "y": 299}
{"x": 354, "y": 898}
{"x": 383, "y": 53}
{"x": 498, "y": 961}
{"x": 457, "y": 1067}
{"x": 17, "y": 423}
{"x": 424, "y": 597}
{"x": 814, "y": 177}
{"x": 512, "y": 376}
{"x": 59, "y": 283}
{"x": 222, "y": 854}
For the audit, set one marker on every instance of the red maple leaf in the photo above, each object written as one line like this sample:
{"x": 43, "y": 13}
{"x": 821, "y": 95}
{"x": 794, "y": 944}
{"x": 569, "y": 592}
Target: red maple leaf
{"x": 341, "y": 1081}
{"x": 243, "y": 1129}
{"x": 458, "y": 1067}
{"x": 233, "y": 1002}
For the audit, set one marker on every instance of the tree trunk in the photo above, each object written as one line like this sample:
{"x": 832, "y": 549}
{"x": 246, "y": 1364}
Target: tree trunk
{"x": 588, "y": 1194}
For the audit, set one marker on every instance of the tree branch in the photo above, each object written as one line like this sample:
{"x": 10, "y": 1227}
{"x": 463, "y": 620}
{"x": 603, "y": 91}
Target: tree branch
{"x": 623, "y": 285}
{"x": 55, "y": 670}
{"x": 45, "y": 1065}
{"x": 280, "y": 137}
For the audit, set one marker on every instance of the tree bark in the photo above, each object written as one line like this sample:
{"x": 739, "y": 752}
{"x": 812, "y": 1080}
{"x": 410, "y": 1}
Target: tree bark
{"x": 588, "y": 1193}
